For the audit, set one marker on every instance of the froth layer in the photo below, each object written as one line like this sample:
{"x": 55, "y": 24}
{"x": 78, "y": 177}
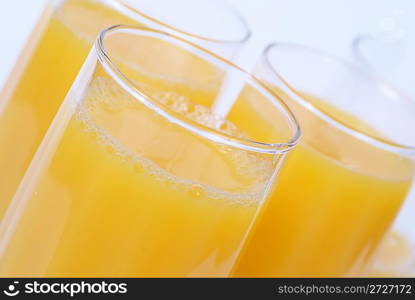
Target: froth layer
{"x": 104, "y": 93}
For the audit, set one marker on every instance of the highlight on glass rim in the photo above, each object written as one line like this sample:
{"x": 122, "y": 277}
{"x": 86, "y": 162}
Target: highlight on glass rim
{"x": 207, "y": 138}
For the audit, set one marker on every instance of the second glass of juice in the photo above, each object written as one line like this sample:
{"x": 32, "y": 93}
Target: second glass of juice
{"x": 342, "y": 187}
{"x": 137, "y": 176}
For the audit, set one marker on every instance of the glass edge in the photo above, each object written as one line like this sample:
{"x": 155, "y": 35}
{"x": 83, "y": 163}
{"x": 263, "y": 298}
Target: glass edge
{"x": 204, "y": 131}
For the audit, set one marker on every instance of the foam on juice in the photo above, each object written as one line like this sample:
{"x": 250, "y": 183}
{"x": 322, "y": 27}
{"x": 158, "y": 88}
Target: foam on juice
{"x": 104, "y": 95}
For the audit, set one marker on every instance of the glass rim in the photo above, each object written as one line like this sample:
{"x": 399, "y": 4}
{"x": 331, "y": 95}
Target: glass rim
{"x": 364, "y": 37}
{"x": 377, "y": 81}
{"x": 122, "y": 5}
{"x": 200, "y": 129}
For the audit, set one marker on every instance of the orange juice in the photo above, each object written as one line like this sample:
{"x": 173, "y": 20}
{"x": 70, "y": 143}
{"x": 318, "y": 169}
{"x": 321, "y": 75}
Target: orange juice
{"x": 334, "y": 199}
{"x": 136, "y": 176}
{"x": 41, "y": 79}
{"x": 124, "y": 192}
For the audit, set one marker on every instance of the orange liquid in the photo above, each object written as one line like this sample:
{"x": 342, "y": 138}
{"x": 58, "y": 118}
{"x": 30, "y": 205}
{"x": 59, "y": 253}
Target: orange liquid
{"x": 334, "y": 199}
{"x": 45, "y": 71}
{"x": 117, "y": 190}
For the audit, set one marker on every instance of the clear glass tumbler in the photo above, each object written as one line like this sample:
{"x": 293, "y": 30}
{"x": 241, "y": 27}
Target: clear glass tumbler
{"x": 343, "y": 185}
{"x": 137, "y": 176}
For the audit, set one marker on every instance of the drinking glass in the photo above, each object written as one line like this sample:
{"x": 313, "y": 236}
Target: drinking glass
{"x": 342, "y": 186}
{"x": 137, "y": 176}
{"x": 59, "y": 45}
{"x": 389, "y": 57}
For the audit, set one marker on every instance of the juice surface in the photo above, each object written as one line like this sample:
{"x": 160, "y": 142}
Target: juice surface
{"x": 335, "y": 197}
{"x": 44, "y": 72}
{"x": 123, "y": 192}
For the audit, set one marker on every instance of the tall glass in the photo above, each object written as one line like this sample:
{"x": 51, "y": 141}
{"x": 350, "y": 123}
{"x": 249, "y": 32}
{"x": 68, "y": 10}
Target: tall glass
{"x": 56, "y": 50}
{"x": 136, "y": 176}
{"x": 391, "y": 56}
{"x": 342, "y": 187}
